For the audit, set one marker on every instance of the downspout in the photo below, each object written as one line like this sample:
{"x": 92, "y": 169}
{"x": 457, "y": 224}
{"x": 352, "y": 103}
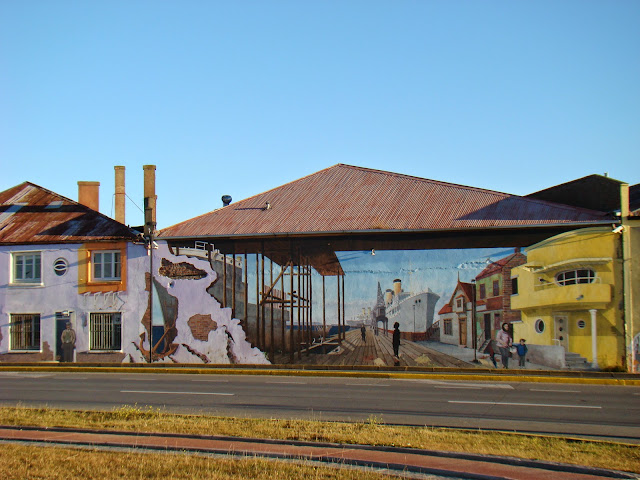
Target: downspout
{"x": 625, "y": 240}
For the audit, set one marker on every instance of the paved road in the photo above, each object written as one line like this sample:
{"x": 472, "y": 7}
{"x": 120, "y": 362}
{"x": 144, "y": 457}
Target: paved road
{"x": 587, "y": 410}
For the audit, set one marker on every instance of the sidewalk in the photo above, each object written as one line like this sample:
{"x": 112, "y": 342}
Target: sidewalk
{"x": 466, "y": 354}
{"x": 397, "y": 460}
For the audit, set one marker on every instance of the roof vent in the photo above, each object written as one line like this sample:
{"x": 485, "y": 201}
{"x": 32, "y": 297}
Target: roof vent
{"x": 226, "y": 200}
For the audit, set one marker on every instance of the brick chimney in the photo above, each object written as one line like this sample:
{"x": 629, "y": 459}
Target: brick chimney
{"x": 89, "y": 195}
{"x": 120, "y": 194}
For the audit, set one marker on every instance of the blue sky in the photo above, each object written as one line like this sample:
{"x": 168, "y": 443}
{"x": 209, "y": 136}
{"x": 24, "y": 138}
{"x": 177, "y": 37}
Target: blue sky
{"x": 239, "y": 97}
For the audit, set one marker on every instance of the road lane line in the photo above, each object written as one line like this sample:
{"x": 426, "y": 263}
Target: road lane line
{"x": 525, "y": 404}
{"x": 460, "y": 387}
{"x": 213, "y": 380}
{"x": 551, "y": 390}
{"x": 287, "y": 383}
{"x": 366, "y": 384}
{"x": 176, "y": 393}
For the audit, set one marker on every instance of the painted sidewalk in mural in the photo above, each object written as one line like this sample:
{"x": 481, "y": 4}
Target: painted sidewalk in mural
{"x": 375, "y": 350}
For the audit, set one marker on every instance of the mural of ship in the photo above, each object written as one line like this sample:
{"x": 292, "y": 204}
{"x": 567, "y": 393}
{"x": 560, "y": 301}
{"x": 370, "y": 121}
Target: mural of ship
{"x": 414, "y": 312}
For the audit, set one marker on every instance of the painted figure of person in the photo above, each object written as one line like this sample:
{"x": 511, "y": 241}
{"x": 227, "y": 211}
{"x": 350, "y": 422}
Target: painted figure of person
{"x": 504, "y": 341}
{"x": 363, "y": 332}
{"x": 522, "y": 352}
{"x": 492, "y": 353}
{"x": 68, "y": 338}
{"x": 396, "y": 341}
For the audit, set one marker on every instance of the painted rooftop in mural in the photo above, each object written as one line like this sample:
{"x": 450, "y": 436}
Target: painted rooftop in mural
{"x": 345, "y": 199}
{"x": 32, "y": 214}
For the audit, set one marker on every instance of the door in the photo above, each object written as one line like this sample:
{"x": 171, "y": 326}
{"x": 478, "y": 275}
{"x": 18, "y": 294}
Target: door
{"x": 487, "y": 326}
{"x": 561, "y": 331}
{"x": 463, "y": 331}
{"x": 61, "y": 324}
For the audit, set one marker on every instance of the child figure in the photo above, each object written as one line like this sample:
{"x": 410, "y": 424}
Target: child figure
{"x": 522, "y": 352}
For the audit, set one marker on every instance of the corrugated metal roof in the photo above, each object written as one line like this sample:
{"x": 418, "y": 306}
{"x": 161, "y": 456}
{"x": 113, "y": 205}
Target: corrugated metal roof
{"x": 32, "y": 214}
{"x": 347, "y": 199}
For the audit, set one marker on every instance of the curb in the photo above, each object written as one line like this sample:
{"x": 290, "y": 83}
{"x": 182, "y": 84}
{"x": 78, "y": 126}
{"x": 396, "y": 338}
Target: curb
{"x": 595, "y": 378}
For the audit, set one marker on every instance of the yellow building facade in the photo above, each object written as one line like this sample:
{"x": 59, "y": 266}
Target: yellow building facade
{"x": 571, "y": 297}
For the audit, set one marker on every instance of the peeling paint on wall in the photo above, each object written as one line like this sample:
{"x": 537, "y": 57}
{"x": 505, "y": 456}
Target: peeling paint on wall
{"x": 204, "y": 331}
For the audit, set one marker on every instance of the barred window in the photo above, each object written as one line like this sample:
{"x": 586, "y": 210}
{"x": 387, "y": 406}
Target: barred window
{"x": 27, "y": 267}
{"x": 447, "y": 327}
{"x": 106, "y": 265}
{"x": 496, "y": 288}
{"x": 105, "y": 331}
{"x": 25, "y": 331}
{"x": 571, "y": 277}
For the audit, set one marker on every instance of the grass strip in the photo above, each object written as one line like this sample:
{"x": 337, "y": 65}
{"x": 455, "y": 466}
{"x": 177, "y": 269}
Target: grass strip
{"x": 20, "y": 462}
{"x": 371, "y": 432}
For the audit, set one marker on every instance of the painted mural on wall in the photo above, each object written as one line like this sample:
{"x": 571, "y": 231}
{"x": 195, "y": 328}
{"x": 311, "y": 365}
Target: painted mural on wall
{"x": 188, "y": 323}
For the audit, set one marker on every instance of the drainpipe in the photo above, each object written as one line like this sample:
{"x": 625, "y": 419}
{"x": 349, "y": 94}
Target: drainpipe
{"x": 625, "y": 240}
{"x": 594, "y": 338}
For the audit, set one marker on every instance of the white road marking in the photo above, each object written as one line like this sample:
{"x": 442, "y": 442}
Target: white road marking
{"x": 453, "y": 386}
{"x": 525, "y": 404}
{"x": 213, "y": 380}
{"x": 551, "y": 390}
{"x": 504, "y": 386}
{"x": 367, "y": 384}
{"x": 176, "y": 393}
{"x": 287, "y": 383}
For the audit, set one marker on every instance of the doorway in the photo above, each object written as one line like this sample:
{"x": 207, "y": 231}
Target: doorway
{"x": 61, "y": 325}
{"x": 463, "y": 332}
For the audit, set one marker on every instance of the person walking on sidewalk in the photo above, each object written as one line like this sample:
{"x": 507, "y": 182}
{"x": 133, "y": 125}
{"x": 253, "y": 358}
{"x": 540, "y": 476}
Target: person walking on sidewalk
{"x": 504, "y": 341}
{"x": 363, "y": 332}
{"x": 522, "y": 352}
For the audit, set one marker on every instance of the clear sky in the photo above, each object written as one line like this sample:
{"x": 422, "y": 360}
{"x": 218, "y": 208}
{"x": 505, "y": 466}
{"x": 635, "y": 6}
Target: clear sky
{"x": 238, "y": 97}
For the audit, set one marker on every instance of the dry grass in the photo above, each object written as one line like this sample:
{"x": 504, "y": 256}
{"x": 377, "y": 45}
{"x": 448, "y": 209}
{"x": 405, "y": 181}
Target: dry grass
{"x": 372, "y": 432}
{"x": 27, "y": 462}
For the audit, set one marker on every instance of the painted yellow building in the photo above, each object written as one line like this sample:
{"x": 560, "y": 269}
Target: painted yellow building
{"x": 570, "y": 293}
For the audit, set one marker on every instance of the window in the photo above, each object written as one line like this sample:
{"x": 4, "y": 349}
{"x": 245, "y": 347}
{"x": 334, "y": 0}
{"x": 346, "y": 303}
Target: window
{"x": 447, "y": 327}
{"x": 514, "y": 286}
{"x": 571, "y": 277}
{"x": 483, "y": 290}
{"x": 25, "y": 331}
{"x": 27, "y": 268}
{"x": 582, "y": 324}
{"x": 105, "y": 331}
{"x": 539, "y": 325}
{"x": 459, "y": 305}
{"x": 496, "y": 288}
{"x": 60, "y": 266}
{"x": 106, "y": 265}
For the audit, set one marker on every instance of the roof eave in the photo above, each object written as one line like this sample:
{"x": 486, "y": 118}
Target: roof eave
{"x": 386, "y": 231}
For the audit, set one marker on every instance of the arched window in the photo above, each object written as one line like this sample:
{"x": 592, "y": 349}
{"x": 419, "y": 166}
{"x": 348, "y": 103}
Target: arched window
{"x": 571, "y": 277}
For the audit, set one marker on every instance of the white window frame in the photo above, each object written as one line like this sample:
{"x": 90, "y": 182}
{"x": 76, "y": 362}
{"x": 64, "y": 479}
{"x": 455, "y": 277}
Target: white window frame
{"x": 36, "y": 259}
{"x": 562, "y": 280}
{"x": 101, "y": 339}
{"x": 113, "y": 266}
{"x": 36, "y": 335}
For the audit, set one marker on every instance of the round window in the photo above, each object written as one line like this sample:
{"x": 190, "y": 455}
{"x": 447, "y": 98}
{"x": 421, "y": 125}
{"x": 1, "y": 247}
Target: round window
{"x": 581, "y": 324}
{"x": 60, "y": 266}
{"x": 539, "y": 325}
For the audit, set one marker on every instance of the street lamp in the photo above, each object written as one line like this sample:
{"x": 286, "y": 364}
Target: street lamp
{"x": 474, "y": 325}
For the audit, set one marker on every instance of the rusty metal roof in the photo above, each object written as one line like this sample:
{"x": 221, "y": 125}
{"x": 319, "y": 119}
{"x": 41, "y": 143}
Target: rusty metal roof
{"x": 347, "y": 199}
{"x": 32, "y": 214}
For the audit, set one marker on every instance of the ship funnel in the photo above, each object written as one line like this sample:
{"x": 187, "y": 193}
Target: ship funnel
{"x": 397, "y": 286}
{"x": 388, "y": 296}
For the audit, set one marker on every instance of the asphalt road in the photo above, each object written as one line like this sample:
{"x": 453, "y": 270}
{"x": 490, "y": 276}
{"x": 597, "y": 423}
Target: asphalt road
{"x": 610, "y": 412}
